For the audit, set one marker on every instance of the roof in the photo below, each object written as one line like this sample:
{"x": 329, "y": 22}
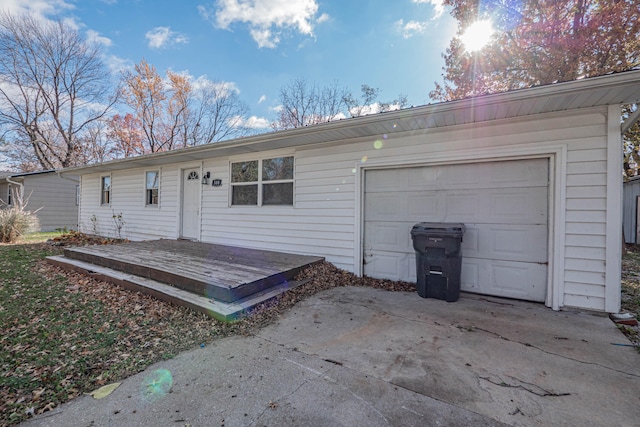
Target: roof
{"x": 611, "y": 89}
{"x": 11, "y": 175}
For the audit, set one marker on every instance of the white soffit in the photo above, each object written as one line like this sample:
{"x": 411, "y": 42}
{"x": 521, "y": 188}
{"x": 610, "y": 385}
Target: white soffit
{"x": 612, "y": 89}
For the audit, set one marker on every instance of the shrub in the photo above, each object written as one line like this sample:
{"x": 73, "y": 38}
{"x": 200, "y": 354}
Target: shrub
{"x": 16, "y": 220}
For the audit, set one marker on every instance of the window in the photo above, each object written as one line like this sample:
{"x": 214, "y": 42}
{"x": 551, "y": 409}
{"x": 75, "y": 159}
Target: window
{"x": 151, "y": 186}
{"x": 262, "y": 182}
{"x": 105, "y": 197}
{"x": 9, "y": 198}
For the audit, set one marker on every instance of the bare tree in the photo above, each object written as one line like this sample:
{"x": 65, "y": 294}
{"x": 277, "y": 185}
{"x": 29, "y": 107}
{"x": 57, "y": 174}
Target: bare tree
{"x": 176, "y": 112}
{"x": 302, "y": 104}
{"x": 216, "y": 113}
{"x": 95, "y": 144}
{"x": 368, "y": 104}
{"x": 53, "y": 84}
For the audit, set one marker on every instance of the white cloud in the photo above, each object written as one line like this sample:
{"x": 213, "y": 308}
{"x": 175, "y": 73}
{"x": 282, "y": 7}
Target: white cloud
{"x": 323, "y": 18}
{"x": 411, "y": 28}
{"x": 262, "y": 99}
{"x": 266, "y": 19}
{"x": 253, "y": 122}
{"x": 219, "y": 87}
{"x": 94, "y": 36}
{"x": 161, "y": 37}
{"x": 438, "y": 6}
{"x": 37, "y": 7}
{"x": 117, "y": 64}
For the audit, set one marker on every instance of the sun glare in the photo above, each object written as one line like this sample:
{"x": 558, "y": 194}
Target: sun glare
{"x": 477, "y": 35}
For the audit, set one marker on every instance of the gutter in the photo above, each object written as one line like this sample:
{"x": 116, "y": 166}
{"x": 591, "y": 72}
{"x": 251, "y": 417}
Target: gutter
{"x": 60, "y": 174}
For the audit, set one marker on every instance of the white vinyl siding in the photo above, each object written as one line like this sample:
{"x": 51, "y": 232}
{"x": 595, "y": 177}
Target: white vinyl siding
{"x": 55, "y": 197}
{"x": 128, "y": 186}
{"x": 325, "y": 220}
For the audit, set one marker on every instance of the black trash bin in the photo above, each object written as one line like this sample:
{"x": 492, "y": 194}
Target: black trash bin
{"x": 438, "y": 259}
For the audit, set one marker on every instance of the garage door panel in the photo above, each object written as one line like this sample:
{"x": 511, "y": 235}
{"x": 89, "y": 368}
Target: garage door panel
{"x": 385, "y": 206}
{"x": 509, "y": 279}
{"x": 389, "y": 236}
{"x": 504, "y": 206}
{"x": 526, "y": 243}
{"x": 523, "y": 206}
{"x": 507, "y": 206}
{"x": 392, "y": 266}
{"x": 527, "y": 205}
{"x": 529, "y": 173}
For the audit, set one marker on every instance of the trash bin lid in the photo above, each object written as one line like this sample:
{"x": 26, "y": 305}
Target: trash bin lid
{"x": 444, "y": 229}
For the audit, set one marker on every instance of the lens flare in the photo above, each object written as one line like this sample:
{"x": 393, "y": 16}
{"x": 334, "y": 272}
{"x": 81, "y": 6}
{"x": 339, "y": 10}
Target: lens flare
{"x": 157, "y": 385}
{"x": 477, "y": 35}
{"x": 378, "y": 144}
{"x": 364, "y": 159}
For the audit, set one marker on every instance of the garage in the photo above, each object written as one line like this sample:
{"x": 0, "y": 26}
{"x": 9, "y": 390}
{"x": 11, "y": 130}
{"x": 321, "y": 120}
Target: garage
{"x": 503, "y": 204}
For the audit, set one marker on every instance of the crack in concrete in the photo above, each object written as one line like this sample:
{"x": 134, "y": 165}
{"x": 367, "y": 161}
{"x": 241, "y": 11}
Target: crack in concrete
{"x": 475, "y": 328}
{"x": 544, "y": 393}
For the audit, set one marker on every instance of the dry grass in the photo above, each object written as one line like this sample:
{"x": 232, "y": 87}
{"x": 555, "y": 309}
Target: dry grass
{"x": 63, "y": 333}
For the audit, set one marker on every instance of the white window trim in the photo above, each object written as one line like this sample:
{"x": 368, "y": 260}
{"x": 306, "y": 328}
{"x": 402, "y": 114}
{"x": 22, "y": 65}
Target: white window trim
{"x": 147, "y": 205}
{"x": 110, "y": 189}
{"x": 260, "y": 181}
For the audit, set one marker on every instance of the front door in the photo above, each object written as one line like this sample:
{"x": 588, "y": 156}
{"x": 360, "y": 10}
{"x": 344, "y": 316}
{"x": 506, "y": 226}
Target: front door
{"x": 190, "y": 204}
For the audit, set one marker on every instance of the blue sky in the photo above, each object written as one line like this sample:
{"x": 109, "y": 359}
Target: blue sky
{"x": 257, "y": 46}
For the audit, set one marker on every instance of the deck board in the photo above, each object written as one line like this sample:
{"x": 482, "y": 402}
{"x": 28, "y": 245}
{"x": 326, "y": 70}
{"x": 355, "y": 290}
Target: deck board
{"x": 224, "y": 273}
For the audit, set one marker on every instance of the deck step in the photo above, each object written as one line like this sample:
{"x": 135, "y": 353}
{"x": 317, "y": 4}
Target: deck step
{"x": 220, "y": 272}
{"x": 220, "y": 310}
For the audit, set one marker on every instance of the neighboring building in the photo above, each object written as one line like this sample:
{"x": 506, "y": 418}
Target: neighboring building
{"x": 53, "y": 197}
{"x": 630, "y": 210}
{"x": 535, "y": 174}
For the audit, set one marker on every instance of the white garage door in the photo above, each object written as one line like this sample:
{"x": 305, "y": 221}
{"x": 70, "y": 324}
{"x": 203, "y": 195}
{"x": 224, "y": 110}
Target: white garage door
{"x": 503, "y": 205}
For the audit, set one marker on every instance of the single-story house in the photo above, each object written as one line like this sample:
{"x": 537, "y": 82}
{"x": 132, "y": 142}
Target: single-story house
{"x": 55, "y": 198}
{"x": 534, "y": 174}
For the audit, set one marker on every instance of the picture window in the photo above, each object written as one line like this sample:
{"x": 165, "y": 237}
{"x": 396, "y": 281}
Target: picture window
{"x": 262, "y": 182}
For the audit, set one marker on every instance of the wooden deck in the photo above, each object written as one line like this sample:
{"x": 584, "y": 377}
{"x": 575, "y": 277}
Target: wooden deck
{"x": 221, "y": 274}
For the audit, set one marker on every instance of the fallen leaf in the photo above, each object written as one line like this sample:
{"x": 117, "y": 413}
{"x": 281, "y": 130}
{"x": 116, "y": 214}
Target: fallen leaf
{"x": 104, "y": 391}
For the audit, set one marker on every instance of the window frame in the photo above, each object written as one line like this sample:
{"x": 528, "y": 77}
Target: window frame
{"x": 108, "y": 192}
{"x": 147, "y": 189}
{"x": 261, "y": 182}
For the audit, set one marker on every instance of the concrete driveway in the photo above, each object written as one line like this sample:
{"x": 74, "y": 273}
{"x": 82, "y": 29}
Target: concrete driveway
{"x": 366, "y": 357}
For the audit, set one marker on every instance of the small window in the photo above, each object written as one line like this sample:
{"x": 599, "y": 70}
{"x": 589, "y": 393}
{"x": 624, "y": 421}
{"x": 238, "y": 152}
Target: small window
{"x": 152, "y": 188}
{"x": 9, "y": 195}
{"x": 262, "y": 182}
{"x": 105, "y": 197}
